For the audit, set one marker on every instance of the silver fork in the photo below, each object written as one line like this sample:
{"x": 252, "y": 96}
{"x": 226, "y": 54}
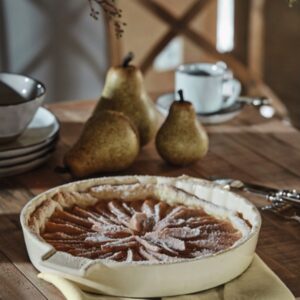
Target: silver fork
{"x": 283, "y": 210}
{"x": 283, "y": 203}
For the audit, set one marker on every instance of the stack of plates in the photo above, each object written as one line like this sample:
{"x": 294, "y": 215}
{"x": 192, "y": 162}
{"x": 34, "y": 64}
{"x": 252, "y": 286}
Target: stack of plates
{"x": 33, "y": 147}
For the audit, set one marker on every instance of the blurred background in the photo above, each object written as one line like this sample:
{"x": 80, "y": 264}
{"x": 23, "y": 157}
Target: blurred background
{"x": 60, "y": 44}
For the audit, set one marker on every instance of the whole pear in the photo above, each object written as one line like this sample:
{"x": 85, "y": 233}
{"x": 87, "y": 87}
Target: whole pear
{"x": 109, "y": 142}
{"x": 181, "y": 140}
{"x": 124, "y": 91}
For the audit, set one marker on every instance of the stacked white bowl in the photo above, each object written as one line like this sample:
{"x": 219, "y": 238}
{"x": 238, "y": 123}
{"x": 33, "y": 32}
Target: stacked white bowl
{"x": 28, "y": 132}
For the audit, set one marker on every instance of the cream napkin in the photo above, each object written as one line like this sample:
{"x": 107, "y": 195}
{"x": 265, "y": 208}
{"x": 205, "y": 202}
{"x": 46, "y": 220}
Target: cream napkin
{"x": 258, "y": 282}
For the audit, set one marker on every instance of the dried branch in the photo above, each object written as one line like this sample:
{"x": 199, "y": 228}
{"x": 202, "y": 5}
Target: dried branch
{"x": 111, "y": 10}
{"x": 114, "y": 14}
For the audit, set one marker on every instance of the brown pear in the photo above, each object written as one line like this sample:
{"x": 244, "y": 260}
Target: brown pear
{"x": 124, "y": 91}
{"x": 181, "y": 140}
{"x": 109, "y": 142}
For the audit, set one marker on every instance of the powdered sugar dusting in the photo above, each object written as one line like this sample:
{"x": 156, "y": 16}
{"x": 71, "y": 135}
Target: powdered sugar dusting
{"x": 140, "y": 230}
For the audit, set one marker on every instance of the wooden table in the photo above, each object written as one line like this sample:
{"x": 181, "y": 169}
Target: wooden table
{"x": 249, "y": 147}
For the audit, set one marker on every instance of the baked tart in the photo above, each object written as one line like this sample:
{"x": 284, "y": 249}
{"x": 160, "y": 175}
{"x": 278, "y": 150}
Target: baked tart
{"x": 136, "y": 222}
{"x": 139, "y": 220}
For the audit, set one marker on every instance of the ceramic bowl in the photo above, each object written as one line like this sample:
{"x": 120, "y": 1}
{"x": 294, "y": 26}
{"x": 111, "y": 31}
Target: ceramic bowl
{"x": 148, "y": 280}
{"x": 14, "y": 117}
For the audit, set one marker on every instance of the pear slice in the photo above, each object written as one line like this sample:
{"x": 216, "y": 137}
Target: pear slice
{"x": 109, "y": 142}
{"x": 181, "y": 140}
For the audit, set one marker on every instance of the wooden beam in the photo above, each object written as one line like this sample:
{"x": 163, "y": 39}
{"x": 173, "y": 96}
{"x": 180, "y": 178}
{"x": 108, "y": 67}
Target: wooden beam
{"x": 176, "y": 25}
{"x": 256, "y": 38}
{"x": 198, "y": 40}
{"x": 114, "y": 45}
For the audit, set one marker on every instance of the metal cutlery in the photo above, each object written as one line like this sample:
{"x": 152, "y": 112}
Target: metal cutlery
{"x": 284, "y": 210}
{"x": 271, "y": 194}
{"x": 254, "y": 101}
{"x": 283, "y": 202}
{"x": 262, "y": 104}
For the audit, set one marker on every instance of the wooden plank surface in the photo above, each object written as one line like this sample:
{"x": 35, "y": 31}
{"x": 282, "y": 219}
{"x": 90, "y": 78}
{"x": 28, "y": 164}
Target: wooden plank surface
{"x": 249, "y": 147}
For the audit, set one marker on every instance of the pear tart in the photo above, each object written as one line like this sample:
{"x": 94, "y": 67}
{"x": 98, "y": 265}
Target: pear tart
{"x": 136, "y": 223}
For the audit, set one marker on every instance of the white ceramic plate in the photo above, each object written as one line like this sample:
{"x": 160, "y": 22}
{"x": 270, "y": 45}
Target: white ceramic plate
{"x": 25, "y": 167}
{"x": 41, "y": 131}
{"x": 11, "y": 162}
{"x": 165, "y": 101}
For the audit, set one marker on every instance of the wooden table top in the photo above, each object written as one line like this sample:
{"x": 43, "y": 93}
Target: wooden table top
{"x": 249, "y": 148}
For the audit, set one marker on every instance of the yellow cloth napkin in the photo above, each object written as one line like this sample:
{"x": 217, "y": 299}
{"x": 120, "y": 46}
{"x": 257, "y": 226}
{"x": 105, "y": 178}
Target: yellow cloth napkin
{"x": 258, "y": 282}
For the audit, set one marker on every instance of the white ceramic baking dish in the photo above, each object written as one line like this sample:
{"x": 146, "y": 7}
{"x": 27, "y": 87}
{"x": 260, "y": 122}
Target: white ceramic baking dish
{"x": 155, "y": 279}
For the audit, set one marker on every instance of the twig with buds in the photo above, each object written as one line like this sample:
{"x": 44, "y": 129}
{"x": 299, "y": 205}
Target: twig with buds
{"x": 111, "y": 10}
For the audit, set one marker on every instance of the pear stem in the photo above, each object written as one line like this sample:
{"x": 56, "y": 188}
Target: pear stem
{"x": 181, "y": 97}
{"x": 127, "y": 59}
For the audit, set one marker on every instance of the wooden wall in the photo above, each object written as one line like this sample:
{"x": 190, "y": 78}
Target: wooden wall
{"x": 282, "y": 53}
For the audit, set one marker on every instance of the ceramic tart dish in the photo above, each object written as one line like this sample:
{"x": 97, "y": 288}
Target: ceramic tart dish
{"x": 141, "y": 236}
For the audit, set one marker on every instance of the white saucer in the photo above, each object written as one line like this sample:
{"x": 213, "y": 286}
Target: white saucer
{"x": 25, "y": 167}
{"x": 164, "y": 102}
{"x": 13, "y": 161}
{"x": 42, "y": 130}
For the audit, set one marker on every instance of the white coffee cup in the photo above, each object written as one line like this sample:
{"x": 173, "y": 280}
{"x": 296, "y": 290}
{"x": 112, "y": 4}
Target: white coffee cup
{"x": 210, "y": 87}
